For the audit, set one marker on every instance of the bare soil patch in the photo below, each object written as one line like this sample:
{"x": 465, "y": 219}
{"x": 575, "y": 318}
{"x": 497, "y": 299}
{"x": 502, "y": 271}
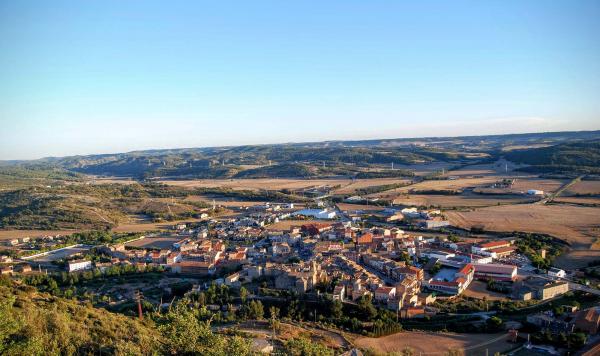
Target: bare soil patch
{"x": 429, "y": 343}
{"x": 478, "y": 290}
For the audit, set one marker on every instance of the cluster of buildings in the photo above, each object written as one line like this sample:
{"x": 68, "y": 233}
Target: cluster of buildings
{"x": 571, "y": 320}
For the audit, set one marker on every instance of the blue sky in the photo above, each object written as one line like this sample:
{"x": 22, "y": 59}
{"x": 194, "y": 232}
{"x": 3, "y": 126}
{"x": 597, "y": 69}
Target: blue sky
{"x": 80, "y": 77}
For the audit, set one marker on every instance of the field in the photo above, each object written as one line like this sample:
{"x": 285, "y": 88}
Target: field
{"x": 584, "y": 187}
{"x": 258, "y": 184}
{"x": 463, "y": 200}
{"x": 154, "y": 242}
{"x": 591, "y": 201}
{"x": 141, "y": 225}
{"x": 365, "y": 183}
{"x": 11, "y": 234}
{"x": 576, "y": 225}
{"x": 449, "y": 184}
{"x": 436, "y": 343}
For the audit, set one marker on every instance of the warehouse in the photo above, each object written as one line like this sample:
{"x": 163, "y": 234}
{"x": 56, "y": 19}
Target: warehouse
{"x": 496, "y": 272}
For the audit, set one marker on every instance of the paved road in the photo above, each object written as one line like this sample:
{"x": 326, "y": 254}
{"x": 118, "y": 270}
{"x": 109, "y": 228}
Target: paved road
{"x": 558, "y": 192}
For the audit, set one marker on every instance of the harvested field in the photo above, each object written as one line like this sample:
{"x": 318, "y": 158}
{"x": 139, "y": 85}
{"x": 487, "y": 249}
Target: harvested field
{"x": 449, "y": 184}
{"x": 285, "y": 225}
{"x": 547, "y": 185}
{"x": 11, "y": 234}
{"x": 463, "y": 200}
{"x": 577, "y": 225}
{"x": 365, "y": 183}
{"x": 584, "y": 187}
{"x": 588, "y": 201}
{"x": 427, "y": 343}
{"x": 577, "y": 258}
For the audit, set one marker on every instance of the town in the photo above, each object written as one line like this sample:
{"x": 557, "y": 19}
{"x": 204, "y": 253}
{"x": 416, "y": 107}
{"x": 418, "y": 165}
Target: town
{"x": 408, "y": 261}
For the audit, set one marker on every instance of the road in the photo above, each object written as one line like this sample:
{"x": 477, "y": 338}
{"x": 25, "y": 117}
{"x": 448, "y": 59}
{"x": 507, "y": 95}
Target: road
{"x": 552, "y": 196}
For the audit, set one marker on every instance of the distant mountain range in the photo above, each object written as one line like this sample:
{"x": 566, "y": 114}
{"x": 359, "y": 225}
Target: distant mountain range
{"x": 550, "y": 151}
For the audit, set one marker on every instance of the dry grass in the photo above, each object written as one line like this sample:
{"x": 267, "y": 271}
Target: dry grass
{"x": 455, "y": 184}
{"x": 471, "y": 200}
{"x": 577, "y": 258}
{"x": 436, "y": 343}
{"x": 591, "y": 187}
{"x": 11, "y": 234}
{"x": 578, "y": 200}
{"x": 574, "y": 224}
{"x": 365, "y": 183}
{"x": 257, "y": 184}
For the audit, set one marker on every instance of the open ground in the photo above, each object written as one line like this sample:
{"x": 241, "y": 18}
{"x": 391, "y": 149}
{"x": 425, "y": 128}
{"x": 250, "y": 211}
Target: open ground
{"x": 430, "y": 343}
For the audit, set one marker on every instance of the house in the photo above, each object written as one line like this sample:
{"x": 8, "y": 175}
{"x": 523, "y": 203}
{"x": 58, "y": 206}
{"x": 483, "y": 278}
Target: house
{"x": 455, "y": 286}
{"x": 383, "y": 294}
{"x": 556, "y": 272}
{"x": 548, "y": 322}
{"x": 79, "y": 265}
{"x": 588, "y": 320}
{"x": 281, "y": 249}
{"x": 365, "y": 239}
{"x": 539, "y": 289}
{"x": 488, "y": 247}
{"x": 24, "y": 268}
{"x": 436, "y": 223}
{"x": 6, "y": 270}
{"x": 339, "y": 292}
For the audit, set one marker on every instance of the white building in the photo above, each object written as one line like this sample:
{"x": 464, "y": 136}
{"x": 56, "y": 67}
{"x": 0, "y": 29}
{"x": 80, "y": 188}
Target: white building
{"x": 557, "y": 272}
{"x": 410, "y": 213}
{"x": 317, "y": 213}
{"x": 79, "y": 265}
{"x": 535, "y": 192}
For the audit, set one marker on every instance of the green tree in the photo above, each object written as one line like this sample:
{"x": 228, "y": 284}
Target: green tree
{"x": 255, "y": 310}
{"x": 243, "y": 294}
{"x": 366, "y": 307}
{"x": 337, "y": 309}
